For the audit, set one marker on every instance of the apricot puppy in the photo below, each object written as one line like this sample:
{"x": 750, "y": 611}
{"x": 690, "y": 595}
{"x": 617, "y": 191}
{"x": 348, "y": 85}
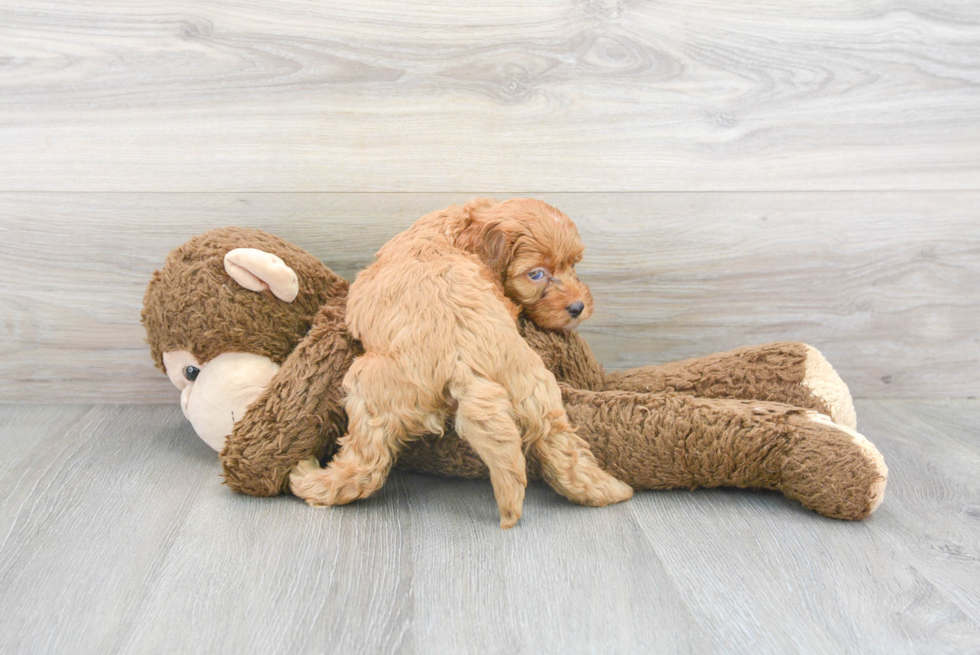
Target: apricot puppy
{"x": 436, "y": 316}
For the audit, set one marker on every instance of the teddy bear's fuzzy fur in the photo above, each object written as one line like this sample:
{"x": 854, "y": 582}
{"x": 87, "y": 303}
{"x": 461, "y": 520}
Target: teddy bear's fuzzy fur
{"x": 754, "y": 417}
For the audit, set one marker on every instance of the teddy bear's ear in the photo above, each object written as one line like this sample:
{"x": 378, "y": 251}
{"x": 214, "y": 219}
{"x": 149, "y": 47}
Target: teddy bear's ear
{"x": 258, "y": 270}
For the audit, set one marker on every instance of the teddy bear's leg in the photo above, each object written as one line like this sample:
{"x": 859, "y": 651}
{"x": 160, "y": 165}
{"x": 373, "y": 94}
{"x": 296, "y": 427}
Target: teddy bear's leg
{"x": 667, "y": 440}
{"x": 785, "y": 372}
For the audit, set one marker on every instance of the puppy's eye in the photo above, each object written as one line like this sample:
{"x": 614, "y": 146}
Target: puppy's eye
{"x": 191, "y": 372}
{"x": 537, "y": 274}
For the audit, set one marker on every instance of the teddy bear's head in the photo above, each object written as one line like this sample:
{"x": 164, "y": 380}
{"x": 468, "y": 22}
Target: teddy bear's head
{"x": 224, "y": 312}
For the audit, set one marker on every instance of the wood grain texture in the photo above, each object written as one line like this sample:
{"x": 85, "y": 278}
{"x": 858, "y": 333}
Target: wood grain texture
{"x": 887, "y": 285}
{"x": 936, "y": 449}
{"x": 117, "y": 536}
{"x": 562, "y": 95}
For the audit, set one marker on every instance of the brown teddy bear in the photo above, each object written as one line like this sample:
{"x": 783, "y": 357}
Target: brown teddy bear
{"x": 251, "y": 329}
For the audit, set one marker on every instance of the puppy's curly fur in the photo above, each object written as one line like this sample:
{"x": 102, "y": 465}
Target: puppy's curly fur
{"x": 436, "y": 316}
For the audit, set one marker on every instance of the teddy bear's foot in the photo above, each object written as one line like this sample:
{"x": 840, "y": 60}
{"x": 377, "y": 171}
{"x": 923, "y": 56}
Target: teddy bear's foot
{"x": 832, "y": 469}
{"x": 822, "y": 381}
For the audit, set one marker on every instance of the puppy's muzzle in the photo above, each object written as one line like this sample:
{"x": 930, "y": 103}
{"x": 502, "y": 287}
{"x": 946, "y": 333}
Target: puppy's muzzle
{"x": 575, "y": 309}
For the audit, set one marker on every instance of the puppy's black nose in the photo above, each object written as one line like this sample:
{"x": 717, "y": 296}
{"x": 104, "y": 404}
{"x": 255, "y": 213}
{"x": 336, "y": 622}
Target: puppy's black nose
{"x": 575, "y": 308}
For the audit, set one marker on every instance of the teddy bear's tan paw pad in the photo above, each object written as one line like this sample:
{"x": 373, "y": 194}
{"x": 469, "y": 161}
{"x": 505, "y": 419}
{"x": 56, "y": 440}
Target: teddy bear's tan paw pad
{"x": 824, "y": 383}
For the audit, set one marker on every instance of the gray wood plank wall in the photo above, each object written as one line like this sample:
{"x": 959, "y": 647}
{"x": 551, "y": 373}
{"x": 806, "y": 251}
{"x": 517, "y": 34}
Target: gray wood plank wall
{"x": 741, "y": 172}
{"x": 558, "y": 95}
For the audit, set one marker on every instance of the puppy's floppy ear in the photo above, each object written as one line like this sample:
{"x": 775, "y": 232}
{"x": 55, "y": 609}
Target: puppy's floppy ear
{"x": 489, "y": 235}
{"x": 258, "y": 270}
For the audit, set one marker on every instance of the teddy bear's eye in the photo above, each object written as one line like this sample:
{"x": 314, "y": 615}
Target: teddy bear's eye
{"x": 191, "y": 372}
{"x": 537, "y": 274}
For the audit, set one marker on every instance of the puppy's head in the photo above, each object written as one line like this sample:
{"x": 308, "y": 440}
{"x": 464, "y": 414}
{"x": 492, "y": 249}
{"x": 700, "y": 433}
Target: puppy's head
{"x": 533, "y": 248}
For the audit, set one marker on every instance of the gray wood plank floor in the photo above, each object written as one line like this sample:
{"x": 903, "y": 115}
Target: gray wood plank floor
{"x": 117, "y": 536}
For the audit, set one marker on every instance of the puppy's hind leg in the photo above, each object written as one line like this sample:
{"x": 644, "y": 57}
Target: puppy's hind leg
{"x": 484, "y": 420}
{"x": 567, "y": 464}
{"x": 367, "y": 452}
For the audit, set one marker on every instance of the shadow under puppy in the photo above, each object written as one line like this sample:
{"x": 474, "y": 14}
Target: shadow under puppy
{"x": 436, "y": 314}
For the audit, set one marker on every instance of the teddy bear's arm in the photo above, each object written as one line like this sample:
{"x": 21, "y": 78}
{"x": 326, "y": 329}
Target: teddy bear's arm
{"x": 784, "y": 372}
{"x": 566, "y": 355}
{"x": 298, "y": 416}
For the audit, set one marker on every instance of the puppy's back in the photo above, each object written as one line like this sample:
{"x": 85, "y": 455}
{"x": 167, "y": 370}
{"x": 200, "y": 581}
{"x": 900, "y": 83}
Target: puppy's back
{"x": 422, "y": 290}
